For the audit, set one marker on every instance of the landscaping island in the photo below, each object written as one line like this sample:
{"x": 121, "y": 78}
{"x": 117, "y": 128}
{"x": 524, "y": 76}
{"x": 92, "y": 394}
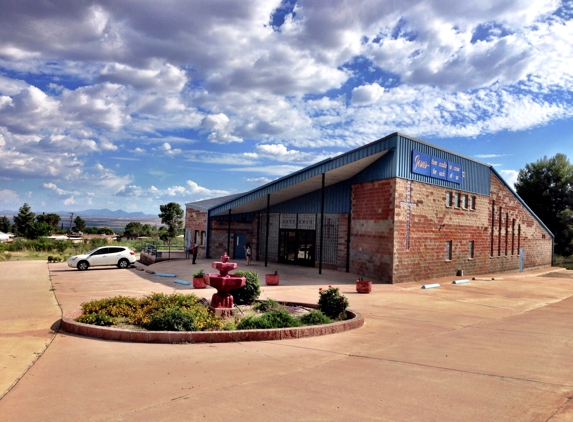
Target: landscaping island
{"x": 180, "y": 318}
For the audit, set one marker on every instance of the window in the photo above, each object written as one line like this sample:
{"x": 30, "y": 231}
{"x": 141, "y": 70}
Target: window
{"x": 449, "y": 250}
{"x": 196, "y": 237}
{"x": 464, "y": 201}
{"x": 456, "y": 199}
{"x": 203, "y": 234}
{"x": 471, "y": 249}
{"x": 448, "y": 199}
{"x": 473, "y": 203}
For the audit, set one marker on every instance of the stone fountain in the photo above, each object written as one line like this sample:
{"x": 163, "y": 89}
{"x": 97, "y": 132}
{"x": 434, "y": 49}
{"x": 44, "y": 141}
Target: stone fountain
{"x": 222, "y": 301}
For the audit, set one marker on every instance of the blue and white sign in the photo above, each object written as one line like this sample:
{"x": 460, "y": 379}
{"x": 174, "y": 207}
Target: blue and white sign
{"x": 454, "y": 172}
{"x": 421, "y": 163}
{"x": 438, "y": 168}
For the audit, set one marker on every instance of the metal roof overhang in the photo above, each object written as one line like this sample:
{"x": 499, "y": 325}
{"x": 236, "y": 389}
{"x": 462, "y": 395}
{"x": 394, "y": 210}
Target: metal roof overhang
{"x": 308, "y": 181}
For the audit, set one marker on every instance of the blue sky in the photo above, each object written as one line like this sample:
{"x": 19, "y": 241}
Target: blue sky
{"x": 129, "y": 105}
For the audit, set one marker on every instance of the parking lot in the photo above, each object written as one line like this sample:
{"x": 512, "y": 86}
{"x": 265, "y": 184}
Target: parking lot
{"x": 495, "y": 350}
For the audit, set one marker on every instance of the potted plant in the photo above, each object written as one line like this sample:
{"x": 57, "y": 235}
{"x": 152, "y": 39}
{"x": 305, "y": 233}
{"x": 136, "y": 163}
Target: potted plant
{"x": 363, "y": 286}
{"x": 272, "y": 279}
{"x": 199, "y": 280}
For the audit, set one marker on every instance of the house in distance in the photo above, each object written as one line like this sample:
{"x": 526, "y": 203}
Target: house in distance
{"x": 395, "y": 210}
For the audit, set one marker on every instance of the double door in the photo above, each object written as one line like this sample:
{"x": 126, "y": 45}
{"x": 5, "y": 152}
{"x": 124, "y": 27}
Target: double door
{"x": 297, "y": 247}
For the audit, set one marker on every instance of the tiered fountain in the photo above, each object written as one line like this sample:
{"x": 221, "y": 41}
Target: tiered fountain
{"x": 222, "y": 301}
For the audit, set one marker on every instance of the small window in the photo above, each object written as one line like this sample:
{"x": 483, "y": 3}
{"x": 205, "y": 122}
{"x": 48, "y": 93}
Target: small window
{"x": 471, "y": 249}
{"x": 196, "y": 237}
{"x": 472, "y": 203}
{"x": 449, "y": 250}
{"x": 456, "y": 199}
{"x": 448, "y": 199}
{"x": 203, "y": 238}
{"x": 464, "y": 199}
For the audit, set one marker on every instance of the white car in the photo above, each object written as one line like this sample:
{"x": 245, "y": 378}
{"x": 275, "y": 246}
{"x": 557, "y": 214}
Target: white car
{"x": 121, "y": 256}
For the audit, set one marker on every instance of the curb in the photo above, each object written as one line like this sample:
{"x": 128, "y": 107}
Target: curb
{"x": 70, "y": 326}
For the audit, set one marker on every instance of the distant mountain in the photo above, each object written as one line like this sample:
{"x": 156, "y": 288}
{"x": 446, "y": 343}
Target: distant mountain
{"x": 92, "y": 213}
{"x": 107, "y": 213}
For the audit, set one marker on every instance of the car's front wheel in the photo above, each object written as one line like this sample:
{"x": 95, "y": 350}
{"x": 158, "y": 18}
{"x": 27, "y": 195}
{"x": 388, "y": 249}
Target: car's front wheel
{"x": 83, "y": 265}
{"x": 123, "y": 263}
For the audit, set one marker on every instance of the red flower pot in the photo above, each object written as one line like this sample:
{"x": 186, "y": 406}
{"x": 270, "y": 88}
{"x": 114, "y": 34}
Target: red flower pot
{"x": 199, "y": 282}
{"x": 272, "y": 279}
{"x": 363, "y": 286}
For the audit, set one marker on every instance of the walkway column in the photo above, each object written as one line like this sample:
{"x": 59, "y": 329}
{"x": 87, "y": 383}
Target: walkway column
{"x": 229, "y": 235}
{"x": 321, "y": 225}
{"x": 267, "y": 232}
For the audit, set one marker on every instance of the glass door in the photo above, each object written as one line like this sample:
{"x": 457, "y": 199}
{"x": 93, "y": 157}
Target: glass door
{"x": 297, "y": 247}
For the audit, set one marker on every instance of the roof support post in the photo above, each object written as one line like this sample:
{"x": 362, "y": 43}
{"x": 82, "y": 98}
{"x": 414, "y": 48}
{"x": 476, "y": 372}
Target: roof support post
{"x": 321, "y": 224}
{"x": 267, "y": 231}
{"x": 208, "y": 232}
{"x": 229, "y": 235}
{"x": 348, "y": 240}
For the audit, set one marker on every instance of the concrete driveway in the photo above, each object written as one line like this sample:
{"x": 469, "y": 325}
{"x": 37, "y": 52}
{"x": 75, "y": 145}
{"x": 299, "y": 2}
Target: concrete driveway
{"x": 485, "y": 351}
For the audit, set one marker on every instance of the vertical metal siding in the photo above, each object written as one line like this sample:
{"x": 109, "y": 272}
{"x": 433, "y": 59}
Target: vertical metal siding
{"x": 476, "y": 175}
{"x": 336, "y": 201}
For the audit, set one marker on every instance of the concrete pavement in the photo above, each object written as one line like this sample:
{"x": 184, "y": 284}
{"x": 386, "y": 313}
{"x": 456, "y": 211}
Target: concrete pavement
{"x": 485, "y": 351}
{"x": 29, "y": 314}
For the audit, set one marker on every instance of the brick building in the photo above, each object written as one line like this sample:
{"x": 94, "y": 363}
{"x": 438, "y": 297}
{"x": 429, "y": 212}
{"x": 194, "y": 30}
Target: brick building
{"x": 395, "y": 210}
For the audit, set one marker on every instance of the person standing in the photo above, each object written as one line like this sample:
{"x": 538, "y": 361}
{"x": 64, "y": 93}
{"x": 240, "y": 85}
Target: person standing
{"x": 248, "y": 253}
{"x": 194, "y": 251}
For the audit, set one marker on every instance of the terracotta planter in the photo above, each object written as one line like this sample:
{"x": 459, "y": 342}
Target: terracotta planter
{"x": 272, "y": 279}
{"x": 199, "y": 282}
{"x": 363, "y": 286}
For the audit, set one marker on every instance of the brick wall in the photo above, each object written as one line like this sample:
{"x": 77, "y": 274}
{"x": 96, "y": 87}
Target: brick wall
{"x": 372, "y": 230}
{"x": 219, "y": 235}
{"x": 196, "y": 220}
{"x": 432, "y": 224}
{"x": 382, "y": 249}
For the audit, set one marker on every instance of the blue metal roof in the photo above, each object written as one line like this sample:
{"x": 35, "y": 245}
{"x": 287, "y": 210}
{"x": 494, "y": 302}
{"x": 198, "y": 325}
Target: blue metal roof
{"x": 388, "y": 157}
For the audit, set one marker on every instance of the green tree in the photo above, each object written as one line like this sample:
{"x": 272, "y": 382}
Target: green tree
{"x": 547, "y": 188}
{"x": 133, "y": 229}
{"x": 39, "y": 229}
{"x": 91, "y": 230}
{"x": 105, "y": 230}
{"x": 79, "y": 224}
{"x": 4, "y": 224}
{"x": 52, "y": 219}
{"x": 172, "y": 216}
{"x": 24, "y": 221}
{"x": 148, "y": 230}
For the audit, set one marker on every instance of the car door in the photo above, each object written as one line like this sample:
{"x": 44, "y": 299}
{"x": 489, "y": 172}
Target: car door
{"x": 99, "y": 257}
{"x": 114, "y": 255}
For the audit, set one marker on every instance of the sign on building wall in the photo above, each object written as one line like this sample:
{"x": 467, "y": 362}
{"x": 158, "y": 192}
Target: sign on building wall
{"x": 435, "y": 167}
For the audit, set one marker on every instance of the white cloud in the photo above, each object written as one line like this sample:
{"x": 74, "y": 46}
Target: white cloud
{"x": 53, "y": 187}
{"x": 9, "y": 198}
{"x": 510, "y": 176}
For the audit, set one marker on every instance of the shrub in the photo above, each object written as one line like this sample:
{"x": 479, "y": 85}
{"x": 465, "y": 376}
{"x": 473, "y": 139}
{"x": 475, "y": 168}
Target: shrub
{"x": 199, "y": 274}
{"x": 171, "y": 319}
{"x": 156, "y": 311}
{"x": 315, "y": 317}
{"x": 119, "y": 306}
{"x": 250, "y": 292}
{"x": 332, "y": 303}
{"x": 267, "y": 305}
{"x": 97, "y": 319}
{"x": 279, "y": 318}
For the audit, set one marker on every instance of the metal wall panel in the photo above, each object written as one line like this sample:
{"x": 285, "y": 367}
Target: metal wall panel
{"x": 476, "y": 175}
{"x": 309, "y": 172}
{"x": 336, "y": 201}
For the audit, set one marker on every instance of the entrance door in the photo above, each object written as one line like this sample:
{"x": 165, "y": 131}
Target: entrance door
{"x": 297, "y": 247}
{"x": 239, "y": 247}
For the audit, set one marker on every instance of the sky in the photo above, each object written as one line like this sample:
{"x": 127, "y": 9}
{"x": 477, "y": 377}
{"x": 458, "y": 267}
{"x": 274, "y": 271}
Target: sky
{"x": 131, "y": 104}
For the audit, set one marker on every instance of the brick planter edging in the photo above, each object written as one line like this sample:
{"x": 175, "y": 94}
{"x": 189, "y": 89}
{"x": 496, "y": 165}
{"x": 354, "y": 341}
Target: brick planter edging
{"x": 355, "y": 320}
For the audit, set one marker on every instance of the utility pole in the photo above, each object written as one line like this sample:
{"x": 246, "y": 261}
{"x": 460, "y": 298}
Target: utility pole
{"x": 71, "y": 219}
